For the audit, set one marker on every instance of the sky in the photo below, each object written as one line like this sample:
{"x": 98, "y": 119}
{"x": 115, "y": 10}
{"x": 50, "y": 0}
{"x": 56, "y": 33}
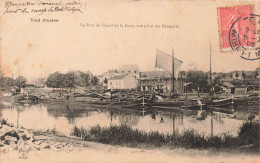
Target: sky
{"x": 41, "y": 48}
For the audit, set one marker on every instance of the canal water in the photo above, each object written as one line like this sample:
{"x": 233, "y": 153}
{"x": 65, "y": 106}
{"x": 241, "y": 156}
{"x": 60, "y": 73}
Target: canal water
{"x": 63, "y": 117}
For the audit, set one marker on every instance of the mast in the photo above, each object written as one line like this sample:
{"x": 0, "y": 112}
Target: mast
{"x": 172, "y": 70}
{"x": 210, "y": 77}
{"x": 19, "y": 77}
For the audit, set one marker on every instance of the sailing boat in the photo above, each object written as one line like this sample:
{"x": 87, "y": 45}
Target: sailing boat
{"x": 173, "y": 65}
{"x": 170, "y": 64}
{"x": 216, "y": 102}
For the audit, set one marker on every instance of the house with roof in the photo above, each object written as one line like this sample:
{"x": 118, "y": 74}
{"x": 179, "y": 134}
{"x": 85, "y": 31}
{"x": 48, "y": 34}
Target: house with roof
{"x": 129, "y": 68}
{"x": 107, "y": 75}
{"x": 160, "y": 80}
{"x": 122, "y": 82}
{"x": 228, "y": 88}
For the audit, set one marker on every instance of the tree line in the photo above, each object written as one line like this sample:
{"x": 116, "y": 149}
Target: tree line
{"x": 54, "y": 80}
{"x": 8, "y": 82}
{"x": 71, "y": 79}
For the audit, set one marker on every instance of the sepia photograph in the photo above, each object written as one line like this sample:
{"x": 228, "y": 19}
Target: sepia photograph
{"x": 129, "y": 81}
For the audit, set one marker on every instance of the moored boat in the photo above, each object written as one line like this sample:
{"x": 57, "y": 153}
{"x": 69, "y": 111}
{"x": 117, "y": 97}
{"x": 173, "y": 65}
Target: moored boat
{"x": 194, "y": 104}
{"x": 225, "y": 102}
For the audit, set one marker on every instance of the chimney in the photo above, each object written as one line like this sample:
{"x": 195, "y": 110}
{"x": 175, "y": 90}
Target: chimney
{"x": 140, "y": 76}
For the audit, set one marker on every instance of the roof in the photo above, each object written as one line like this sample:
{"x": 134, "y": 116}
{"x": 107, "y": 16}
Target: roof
{"x": 165, "y": 78}
{"x": 227, "y": 84}
{"x": 155, "y": 74}
{"x": 159, "y": 74}
{"x": 186, "y": 84}
{"x": 119, "y": 77}
{"x": 129, "y": 67}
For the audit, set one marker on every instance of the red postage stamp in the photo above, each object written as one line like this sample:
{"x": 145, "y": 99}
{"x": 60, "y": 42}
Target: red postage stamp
{"x": 238, "y": 30}
{"x": 237, "y": 27}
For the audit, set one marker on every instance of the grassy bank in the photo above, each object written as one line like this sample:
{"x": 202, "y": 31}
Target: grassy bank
{"x": 247, "y": 139}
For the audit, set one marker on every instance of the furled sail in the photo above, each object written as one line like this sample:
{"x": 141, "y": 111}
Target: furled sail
{"x": 164, "y": 61}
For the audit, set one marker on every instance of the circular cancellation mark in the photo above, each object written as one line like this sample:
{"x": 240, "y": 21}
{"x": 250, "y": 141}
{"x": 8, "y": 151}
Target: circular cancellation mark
{"x": 244, "y": 37}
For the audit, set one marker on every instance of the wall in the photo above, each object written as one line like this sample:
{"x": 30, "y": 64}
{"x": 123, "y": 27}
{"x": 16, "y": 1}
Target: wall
{"x": 116, "y": 84}
{"x": 129, "y": 82}
{"x": 164, "y": 84}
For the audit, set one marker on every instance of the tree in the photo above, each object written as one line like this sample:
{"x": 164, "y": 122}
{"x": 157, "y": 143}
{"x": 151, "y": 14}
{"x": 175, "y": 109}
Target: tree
{"x": 105, "y": 80}
{"x": 1, "y": 74}
{"x": 1, "y": 78}
{"x": 40, "y": 82}
{"x": 243, "y": 75}
{"x": 20, "y": 81}
{"x": 198, "y": 79}
{"x": 94, "y": 81}
{"x": 236, "y": 75}
{"x": 216, "y": 81}
{"x": 69, "y": 80}
{"x": 256, "y": 74}
{"x": 82, "y": 79}
{"x": 230, "y": 75}
{"x": 6, "y": 82}
{"x": 55, "y": 80}
{"x": 9, "y": 82}
{"x": 86, "y": 79}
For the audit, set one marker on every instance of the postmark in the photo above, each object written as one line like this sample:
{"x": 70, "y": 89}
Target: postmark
{"x": 239, "y": 31}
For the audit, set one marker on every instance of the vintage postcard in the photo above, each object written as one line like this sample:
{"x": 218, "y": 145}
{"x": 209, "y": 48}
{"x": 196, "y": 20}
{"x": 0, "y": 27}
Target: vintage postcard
{"x": 129, "y": 81}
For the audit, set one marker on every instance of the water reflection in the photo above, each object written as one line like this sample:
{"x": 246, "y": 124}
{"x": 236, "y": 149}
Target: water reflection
{"x": 63, "y": 117}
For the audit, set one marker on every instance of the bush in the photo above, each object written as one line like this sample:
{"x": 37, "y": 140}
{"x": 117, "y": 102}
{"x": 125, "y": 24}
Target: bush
{"x": 249, "y": 134}
{"x": 126, "y": 136}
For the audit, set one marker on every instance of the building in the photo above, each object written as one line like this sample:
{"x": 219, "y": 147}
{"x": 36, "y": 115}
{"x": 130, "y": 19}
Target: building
{"x": 122, "y": 82}
{"x": 124, "y": 69}
{"x": 107, "y": 75}
{"x": 160, "y": 80}
{"x": 129, "y": 69}
{"x": 228, "y": 88}
{"x": 240, "y": 91}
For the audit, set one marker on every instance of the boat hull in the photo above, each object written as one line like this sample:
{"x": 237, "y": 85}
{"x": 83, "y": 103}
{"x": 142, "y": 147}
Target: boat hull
{"x": 222, "y": 103}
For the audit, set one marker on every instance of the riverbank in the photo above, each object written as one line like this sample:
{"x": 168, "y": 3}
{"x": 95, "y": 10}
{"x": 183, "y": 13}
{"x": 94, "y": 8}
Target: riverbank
{"x": 54, "y": 147}
{"x": 20, "y": 144}
{"x": 123, "y": 135}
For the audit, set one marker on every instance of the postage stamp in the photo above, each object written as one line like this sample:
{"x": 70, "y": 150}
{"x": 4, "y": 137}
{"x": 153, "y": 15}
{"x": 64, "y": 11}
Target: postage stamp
{"x": 239, "y": 31}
